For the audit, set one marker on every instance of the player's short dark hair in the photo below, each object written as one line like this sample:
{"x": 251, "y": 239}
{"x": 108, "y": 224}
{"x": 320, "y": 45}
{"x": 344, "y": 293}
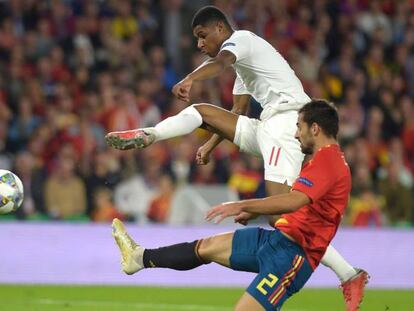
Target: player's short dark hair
{"x": 324, "y": 114}
{"x": 209, "y": 14}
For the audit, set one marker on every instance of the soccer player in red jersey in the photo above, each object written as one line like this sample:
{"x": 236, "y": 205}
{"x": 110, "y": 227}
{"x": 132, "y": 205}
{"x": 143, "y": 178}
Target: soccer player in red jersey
{"x": 283, "y": 258}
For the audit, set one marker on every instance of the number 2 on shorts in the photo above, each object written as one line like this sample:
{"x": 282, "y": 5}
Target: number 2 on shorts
{"x": 269, "y": 281}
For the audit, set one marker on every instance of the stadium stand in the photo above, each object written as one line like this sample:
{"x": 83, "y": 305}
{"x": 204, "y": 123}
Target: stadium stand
{"x": 70, "y": 71}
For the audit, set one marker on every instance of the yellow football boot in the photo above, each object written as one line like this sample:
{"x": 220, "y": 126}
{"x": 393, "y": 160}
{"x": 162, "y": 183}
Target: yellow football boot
{"x": 131, "y": 252}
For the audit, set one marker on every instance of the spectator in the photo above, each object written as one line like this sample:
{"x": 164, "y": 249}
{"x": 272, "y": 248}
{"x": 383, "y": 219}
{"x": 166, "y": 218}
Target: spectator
{"x": 396, "y": 185}
{"x": 365, "y": 205}
{"x": 160, "y": 205}
{"x": 33, "y": 182}
{"x": 124, "y": 25}
{"x": 5, "y": 154}
{"x": 106, "y": 173}
{"x": 407, "y": 108}
{"x": 65, "y": 192}
{"x": 133, "y": 196}
{"x": 244, "y": 180}
{"x": 23, "y": 124}
{"x": 352, "y": 115}
{"x": 104, "y": 209}
{"x": 150, "y": 113}
{"x": 181, "y": 161}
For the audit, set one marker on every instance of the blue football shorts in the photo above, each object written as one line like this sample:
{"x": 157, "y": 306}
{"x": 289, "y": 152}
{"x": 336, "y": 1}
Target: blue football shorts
{"x": 280, "y": 263}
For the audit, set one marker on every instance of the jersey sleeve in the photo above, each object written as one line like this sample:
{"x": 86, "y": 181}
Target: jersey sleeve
{"x": 239, "y": 88}
{"x": 239, "y": 46}
{"x": 316, "y": 179}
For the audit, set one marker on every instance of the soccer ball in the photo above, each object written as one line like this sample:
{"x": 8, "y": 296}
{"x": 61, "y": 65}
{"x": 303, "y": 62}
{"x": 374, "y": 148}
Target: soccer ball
{"x": 11, "y": 192}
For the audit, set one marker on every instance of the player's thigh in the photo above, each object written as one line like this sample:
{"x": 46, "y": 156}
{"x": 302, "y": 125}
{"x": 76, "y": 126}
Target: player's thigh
{"x": 248, "y": 303}
{"x": 236, "y": 250}
{"x": 218, "y": 120}
{"x": 246, "y": 244}
{"x": 284, "y": 270}
{"x": 272, "y": 287}
{"x": 275, "y": 188}
{"x": 216, "y": 248}
{"x": 246, "y": 135}
{"x": 282, "y": 156}
{"x": 268, "y": 290}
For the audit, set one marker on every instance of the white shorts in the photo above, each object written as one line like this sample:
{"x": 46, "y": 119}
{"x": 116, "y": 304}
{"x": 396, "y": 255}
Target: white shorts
{"x": 273, "y": 140}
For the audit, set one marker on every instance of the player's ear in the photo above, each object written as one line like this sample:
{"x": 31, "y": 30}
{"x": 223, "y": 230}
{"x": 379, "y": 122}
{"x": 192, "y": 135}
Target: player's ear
{"x": 220, "y": 26}
{"x": 315, "y": 129}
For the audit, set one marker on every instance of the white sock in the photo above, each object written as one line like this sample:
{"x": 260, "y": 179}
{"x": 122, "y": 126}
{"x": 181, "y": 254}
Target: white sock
{"x": 181, "y": 124}
{"x": 333, "y": 260}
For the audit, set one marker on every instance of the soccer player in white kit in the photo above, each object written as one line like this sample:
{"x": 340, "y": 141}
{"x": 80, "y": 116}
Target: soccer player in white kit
{"x": 262, "y": 73}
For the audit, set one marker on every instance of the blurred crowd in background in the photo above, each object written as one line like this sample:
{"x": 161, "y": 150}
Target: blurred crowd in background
{"x": 72, "y": 70}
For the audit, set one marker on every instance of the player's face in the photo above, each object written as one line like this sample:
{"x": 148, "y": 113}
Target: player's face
{"x": 304, "y": 135}
{"x": 209, "y": 38}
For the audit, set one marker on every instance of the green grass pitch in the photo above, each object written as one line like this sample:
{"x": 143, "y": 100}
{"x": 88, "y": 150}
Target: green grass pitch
{"x": 114, "y": 298}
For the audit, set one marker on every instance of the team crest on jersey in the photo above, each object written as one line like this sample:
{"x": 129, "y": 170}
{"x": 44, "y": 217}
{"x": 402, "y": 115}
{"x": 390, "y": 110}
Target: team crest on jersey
{"x": 305, "y": 181}
{"x": 228, "y": 44}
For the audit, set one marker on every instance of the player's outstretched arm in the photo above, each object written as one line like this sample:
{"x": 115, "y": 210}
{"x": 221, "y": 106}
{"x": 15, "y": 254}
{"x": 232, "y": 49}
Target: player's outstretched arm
{"x": 273, "y": 205}
{"x": 209, "y": 69}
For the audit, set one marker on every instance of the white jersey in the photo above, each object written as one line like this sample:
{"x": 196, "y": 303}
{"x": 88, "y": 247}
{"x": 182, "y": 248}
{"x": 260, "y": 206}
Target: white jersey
{"x": 263, "y": 73}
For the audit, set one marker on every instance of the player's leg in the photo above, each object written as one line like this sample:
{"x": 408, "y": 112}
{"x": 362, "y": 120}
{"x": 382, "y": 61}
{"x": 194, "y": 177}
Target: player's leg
{"x": 333, "y": 260}
{"x": 353, "y": 280}
{"x": 236, "y": 250}
{"x": 210, "y": 117}
{"x": 186, "y": 256}
{"x": 182, "y": 256}
{"x": 216, "y": 249}
{"x": 282, "y": 157}
{"x": 274, "y": 188}
{"x": 247, "y": 303}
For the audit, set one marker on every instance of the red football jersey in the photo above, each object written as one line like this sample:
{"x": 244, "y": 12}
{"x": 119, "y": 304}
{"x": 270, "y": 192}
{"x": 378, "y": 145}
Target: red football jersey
{"x": 326, "y": 180}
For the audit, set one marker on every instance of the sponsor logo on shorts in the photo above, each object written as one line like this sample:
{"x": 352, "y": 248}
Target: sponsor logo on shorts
{"x": 305, "y": 181}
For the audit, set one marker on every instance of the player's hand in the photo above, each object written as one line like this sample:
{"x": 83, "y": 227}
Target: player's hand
{"x": 182, "y": 89}
{"x": 244, "y": 217}
{"x": 203, "y": 155}
{"x": 224, "y": 210}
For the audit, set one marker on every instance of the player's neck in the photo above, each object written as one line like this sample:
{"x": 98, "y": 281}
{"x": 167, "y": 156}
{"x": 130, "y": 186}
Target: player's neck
{"x": 227, "y": 34}
{"x": 324, "y": 142}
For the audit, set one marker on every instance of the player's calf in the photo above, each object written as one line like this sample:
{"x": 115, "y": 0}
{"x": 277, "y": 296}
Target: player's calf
{"x": 182, "y": 256}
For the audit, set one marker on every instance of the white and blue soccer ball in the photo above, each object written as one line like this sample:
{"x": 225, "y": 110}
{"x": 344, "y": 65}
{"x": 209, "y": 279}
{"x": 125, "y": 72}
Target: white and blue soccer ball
{"x": 11, "y": 192}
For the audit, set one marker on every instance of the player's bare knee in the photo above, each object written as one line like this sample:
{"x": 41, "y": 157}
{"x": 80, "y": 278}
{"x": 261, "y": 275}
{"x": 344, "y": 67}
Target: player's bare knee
{"x": 205, "y": 248}
{"x": 204, "y": 109}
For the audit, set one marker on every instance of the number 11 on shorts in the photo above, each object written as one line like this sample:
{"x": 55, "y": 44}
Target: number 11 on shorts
{"x": 274, "y": 156}
{"x": 269, "y": 281}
